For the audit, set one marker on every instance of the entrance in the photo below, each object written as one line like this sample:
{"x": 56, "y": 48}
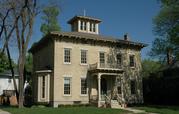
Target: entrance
{"x": 103, "y": 86}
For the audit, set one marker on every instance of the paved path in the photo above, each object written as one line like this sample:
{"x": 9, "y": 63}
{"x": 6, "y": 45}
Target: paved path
{"x": 4, "y": 112}
{"x": 136, "y": 111}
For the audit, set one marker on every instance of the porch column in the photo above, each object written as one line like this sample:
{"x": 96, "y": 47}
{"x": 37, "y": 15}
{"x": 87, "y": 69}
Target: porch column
{"x": 99, "y": 89}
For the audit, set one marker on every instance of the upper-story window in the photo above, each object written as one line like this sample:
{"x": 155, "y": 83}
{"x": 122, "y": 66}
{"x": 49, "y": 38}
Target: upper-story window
{"x": 102, "y": 59}
{"x": 83, "y": 25}
{"x": 83, "y": 56}
{"x": 119, "y": 59}
{"x": 131, "y": 61}
{"x": 92, "y": 27}
{"x": 67, "y": 55}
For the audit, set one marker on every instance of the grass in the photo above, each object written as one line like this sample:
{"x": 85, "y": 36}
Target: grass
{"x": 160, "y": 109}
{"x": 64, "y": 110}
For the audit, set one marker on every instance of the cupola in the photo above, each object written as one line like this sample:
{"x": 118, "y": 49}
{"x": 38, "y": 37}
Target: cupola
{"x": 84, "y": 24}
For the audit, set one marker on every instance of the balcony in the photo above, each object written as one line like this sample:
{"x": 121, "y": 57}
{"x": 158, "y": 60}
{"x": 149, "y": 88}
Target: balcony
{"x": 105, "y": 67}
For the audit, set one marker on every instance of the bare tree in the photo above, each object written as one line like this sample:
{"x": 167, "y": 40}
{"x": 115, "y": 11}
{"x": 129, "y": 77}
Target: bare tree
{"x": 24, "y": 28}
{"x": 20, "y": 15}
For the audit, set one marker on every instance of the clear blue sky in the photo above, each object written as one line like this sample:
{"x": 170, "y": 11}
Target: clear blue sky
{"x": 118, "y": 17}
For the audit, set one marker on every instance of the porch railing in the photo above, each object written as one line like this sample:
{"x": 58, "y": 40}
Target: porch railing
{"x": 105, "y": 66}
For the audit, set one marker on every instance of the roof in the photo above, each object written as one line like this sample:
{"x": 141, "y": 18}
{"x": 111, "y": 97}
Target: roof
{"x": 83, "y": 17}
{"x": 85, "y": 36}
{"x": 7, "y": 73}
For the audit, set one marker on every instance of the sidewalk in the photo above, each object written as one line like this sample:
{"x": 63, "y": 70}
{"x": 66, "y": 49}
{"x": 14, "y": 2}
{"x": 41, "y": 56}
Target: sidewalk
{"x": 4, "y": 112}
{"x": 136, "y": 111}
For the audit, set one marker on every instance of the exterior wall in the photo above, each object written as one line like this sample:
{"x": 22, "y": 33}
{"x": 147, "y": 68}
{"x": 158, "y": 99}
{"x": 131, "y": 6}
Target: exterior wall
{"x": 6, "y": 83}
{"x": 132, "y": 73}
{"x": 75, "y": 70}
{"x": 43, "y": 60}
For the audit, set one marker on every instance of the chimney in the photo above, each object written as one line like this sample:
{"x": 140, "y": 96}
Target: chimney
{"x": 126, "y": 37}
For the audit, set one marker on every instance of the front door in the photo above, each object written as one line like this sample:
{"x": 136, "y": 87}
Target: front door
{"x": 103, "y": 86}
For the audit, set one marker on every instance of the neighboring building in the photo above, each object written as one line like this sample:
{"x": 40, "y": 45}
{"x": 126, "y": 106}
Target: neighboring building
{"x": 6, "y": 82}
{"x": 84, "y": 67}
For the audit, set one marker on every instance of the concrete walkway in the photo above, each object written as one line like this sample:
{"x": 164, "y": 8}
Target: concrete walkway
{"x": 136, "y": 111}
{"x": 4, "y": 112}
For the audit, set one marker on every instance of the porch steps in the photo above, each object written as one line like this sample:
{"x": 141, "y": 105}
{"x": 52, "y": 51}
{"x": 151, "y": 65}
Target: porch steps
{"x": 115, "y": 104}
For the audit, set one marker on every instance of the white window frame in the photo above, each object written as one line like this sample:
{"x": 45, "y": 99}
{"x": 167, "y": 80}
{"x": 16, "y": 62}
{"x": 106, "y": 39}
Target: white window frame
{"x": 69, "y": 77}
{"x": 104, "y": 57}
{"x": 86, "y": 87}
{"x": 64, "y": 55}
{"x": 86, "y": 57}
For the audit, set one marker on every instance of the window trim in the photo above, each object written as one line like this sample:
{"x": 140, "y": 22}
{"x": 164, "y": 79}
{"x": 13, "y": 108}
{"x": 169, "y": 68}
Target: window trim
{"x": 86, "y": 57}
{"x": 70, "y": 85}
{"x": 64, "y": 55}
{"x": 133, "y": 61}
{"x": 104, "y": 57}
{"x": 86, "y": 87}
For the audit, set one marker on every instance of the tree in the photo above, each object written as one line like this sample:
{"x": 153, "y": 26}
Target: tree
{"x": 27, "y": 10}
{"x": 4, "y": 63}
{"x": 20, "y": 20}
{"x": 166, "y": 28}
{"x": 50, "y": 14}
{"x": 150, "y": 66}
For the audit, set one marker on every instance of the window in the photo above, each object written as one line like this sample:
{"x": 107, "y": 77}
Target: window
{"x": 83, "y": 86}
{"x": 131, "y": 59}
{"x": 133, "y": 87}
{"x": 67, "y": 53}
{"x": 83, "y": 25}
{"x": 92, "y": 27}
{"x": 119, "y": 59}
{"x": 102, "y": 59}
{"x": 83, "y": 56}
{"x": 43, "y": 86}
{"x": 67, "y": 86}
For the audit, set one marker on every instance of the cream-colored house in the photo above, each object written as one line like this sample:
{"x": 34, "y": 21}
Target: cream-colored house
{"x": 82, "y": 66}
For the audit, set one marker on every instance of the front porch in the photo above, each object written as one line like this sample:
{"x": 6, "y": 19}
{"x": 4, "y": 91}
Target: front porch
{"x": 106, "y": 85}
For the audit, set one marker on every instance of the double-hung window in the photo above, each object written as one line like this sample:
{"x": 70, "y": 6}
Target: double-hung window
{"x": 83, "y": 56}
{"x": 67, "y": 86}
{"x": 67, "y": 55}
{"x": 83, "y": 86}
{"x": 131, "y": 61}
{"x": 102, "y": 59}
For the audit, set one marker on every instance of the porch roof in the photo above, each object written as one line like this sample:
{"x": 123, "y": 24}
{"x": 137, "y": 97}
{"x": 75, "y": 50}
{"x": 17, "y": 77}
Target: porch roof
{"x": 106, "y": 70}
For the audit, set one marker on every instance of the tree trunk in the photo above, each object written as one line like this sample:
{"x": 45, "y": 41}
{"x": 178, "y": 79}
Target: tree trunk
{"x": 12, "y": 71}
{"x": 21, "y": 81}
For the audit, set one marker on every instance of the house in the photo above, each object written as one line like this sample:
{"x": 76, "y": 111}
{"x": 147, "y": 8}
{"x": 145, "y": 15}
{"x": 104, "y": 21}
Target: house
{"x": 6, "y": 81}
{"x": 82, "y": 66}
{"x": 7, "y": 89}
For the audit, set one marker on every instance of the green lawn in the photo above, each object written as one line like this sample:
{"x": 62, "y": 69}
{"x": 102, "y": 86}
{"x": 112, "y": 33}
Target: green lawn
{"x": 65, "y": 110}
{"x": 160, "y": 109}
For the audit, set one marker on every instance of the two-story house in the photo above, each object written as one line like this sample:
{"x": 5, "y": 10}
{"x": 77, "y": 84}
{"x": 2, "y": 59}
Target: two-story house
{"x": 83, "y": 66}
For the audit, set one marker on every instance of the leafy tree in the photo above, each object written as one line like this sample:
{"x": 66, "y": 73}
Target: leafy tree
{"x": 4, "y": 63}
{"x": 50, "y": 14}
{"x": 166, "y": 28}
{"x": 150, "y": 66}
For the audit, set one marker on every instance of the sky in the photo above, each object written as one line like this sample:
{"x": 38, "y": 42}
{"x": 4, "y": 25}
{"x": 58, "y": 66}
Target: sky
{"x": 118, "y": 17}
